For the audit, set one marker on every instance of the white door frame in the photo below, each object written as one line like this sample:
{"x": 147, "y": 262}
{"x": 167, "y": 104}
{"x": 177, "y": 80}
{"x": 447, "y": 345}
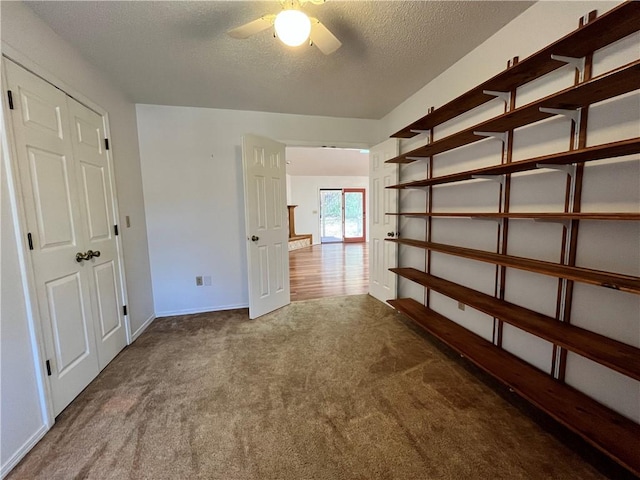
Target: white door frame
{"x": 20, "y": 223}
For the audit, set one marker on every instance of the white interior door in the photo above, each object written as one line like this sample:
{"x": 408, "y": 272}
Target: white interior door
{"x": 382, "y": 255}
{"x": 266, "y": 224}
{"x": 65, "y": 216}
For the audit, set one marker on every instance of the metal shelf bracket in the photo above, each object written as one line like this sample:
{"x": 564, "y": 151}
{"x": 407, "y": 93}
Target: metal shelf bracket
{"x": 498, "y": 220}
{"x": 423, "y": 132}
{"x": 495, "y": 178}
{"x": 413, "y": 159}
{"x": 578, "y": 63}
{"x": 573, "y": 114}
{"x": 564, "y": 223}
{"x": 568, "y": 169}
{"x": 505, "y": 96}
{"x": 502, "y": 136}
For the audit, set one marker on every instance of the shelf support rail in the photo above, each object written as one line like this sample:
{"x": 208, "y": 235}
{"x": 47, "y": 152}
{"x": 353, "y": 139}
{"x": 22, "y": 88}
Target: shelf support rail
{"x": 573, "y": 196}
{"x": 504, "y": 201}
{"x": 565, "y": 293}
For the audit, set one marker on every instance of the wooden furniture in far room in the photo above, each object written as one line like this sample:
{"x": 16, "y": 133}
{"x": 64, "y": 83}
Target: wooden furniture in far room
{"x": 297, "y": 241}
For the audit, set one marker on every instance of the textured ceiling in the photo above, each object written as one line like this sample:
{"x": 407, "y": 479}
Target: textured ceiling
{"x": 177, "y": 52}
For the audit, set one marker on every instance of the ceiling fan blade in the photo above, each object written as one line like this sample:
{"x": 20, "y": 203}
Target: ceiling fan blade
{"x": 323, "y": 38}
{"x": 251, "y": 28}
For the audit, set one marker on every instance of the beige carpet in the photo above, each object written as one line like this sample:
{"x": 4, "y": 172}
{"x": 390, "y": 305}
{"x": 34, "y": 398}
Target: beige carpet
{"x": 337, "y": 388}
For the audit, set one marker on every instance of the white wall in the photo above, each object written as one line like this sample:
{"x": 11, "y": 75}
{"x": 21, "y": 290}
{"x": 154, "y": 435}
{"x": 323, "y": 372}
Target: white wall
{"x": 192, "y": 176}
{"x": 305, "y": 192}
{"x": 28, "y": 40}
{"x": 608, "y": 186}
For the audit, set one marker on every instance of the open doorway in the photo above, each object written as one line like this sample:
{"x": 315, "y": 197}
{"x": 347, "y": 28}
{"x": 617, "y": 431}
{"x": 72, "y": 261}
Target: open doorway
{"x": 329, "y": 188}
{"x": 342, "y": 215}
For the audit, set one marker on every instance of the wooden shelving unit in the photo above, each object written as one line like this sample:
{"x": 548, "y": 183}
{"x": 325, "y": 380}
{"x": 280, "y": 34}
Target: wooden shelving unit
{"x": 608, "y": 85}
{"x": 599, "y": 152}
{"x": 613, "y": 354}
{"x": 625, "y": 283}
{"x": 579, "y": 43}
{"x": 529, "y": 216}
{"x": 603, "y": 428}
{"x": 606, "y": 429}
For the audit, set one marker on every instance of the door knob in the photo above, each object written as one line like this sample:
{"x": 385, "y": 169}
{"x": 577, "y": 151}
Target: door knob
{"x": 390, "y": 234}
{"x": 82, "y": 256}
{"x": 87, "y": 256}
{"x": 254, "y": 238}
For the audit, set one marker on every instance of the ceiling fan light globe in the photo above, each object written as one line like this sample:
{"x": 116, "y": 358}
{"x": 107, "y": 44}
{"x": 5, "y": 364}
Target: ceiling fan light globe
{"x": 292, "y": 27}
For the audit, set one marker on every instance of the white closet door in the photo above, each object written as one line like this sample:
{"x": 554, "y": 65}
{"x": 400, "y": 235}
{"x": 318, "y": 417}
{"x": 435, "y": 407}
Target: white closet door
{"x": 68, "y": 202}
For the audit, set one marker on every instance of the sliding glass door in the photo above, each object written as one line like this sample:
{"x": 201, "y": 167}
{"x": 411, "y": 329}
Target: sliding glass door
{"x": 354, "y": 215}
{"x": 331, "y": 216}
{"x": 342, "y": 215}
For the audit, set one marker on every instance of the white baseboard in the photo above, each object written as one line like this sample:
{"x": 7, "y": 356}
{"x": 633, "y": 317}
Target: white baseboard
{"x": 190, "y": 311}
{"x": 22, "y": 451}
{"x": 142, "y": 328}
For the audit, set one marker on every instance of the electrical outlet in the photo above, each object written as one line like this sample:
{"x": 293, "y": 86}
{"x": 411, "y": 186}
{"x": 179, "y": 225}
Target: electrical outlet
{"x": 198, "y": 281}
{"x": 207, "y": 280}
{"x": 461, "y": 306}
{"x": 127, "y": 221}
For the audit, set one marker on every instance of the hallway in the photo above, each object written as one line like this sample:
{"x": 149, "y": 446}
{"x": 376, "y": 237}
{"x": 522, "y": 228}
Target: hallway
{"x": 328, "y": 270}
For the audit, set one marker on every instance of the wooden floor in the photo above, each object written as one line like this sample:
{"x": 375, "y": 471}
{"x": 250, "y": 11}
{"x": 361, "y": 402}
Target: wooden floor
{"x": 329, "y": 270}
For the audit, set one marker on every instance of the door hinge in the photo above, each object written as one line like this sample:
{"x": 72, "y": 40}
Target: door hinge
{"x": 30, "y": 240}
{"x": 10, "y": 95}
{"x": 106, "y": 143}
{"x": 124, "y": 309}
{"x": 48, "y": 368}
{"x": 115, "y": 230}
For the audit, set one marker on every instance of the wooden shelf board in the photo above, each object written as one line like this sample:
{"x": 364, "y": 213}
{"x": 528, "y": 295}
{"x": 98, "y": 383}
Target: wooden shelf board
{"x": 608, "y": 85}
{"x": 620, "y": 216}
{"x": 604, "y": 30}
{"x": 603, "y": 428}
{"x": 616, "y": 281}
{"x": 598, "y": 152}
{"x": 613, "y": 354}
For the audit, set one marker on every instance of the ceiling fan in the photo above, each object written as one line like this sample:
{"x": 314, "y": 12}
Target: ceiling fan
{"x": 292, "y": 26}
